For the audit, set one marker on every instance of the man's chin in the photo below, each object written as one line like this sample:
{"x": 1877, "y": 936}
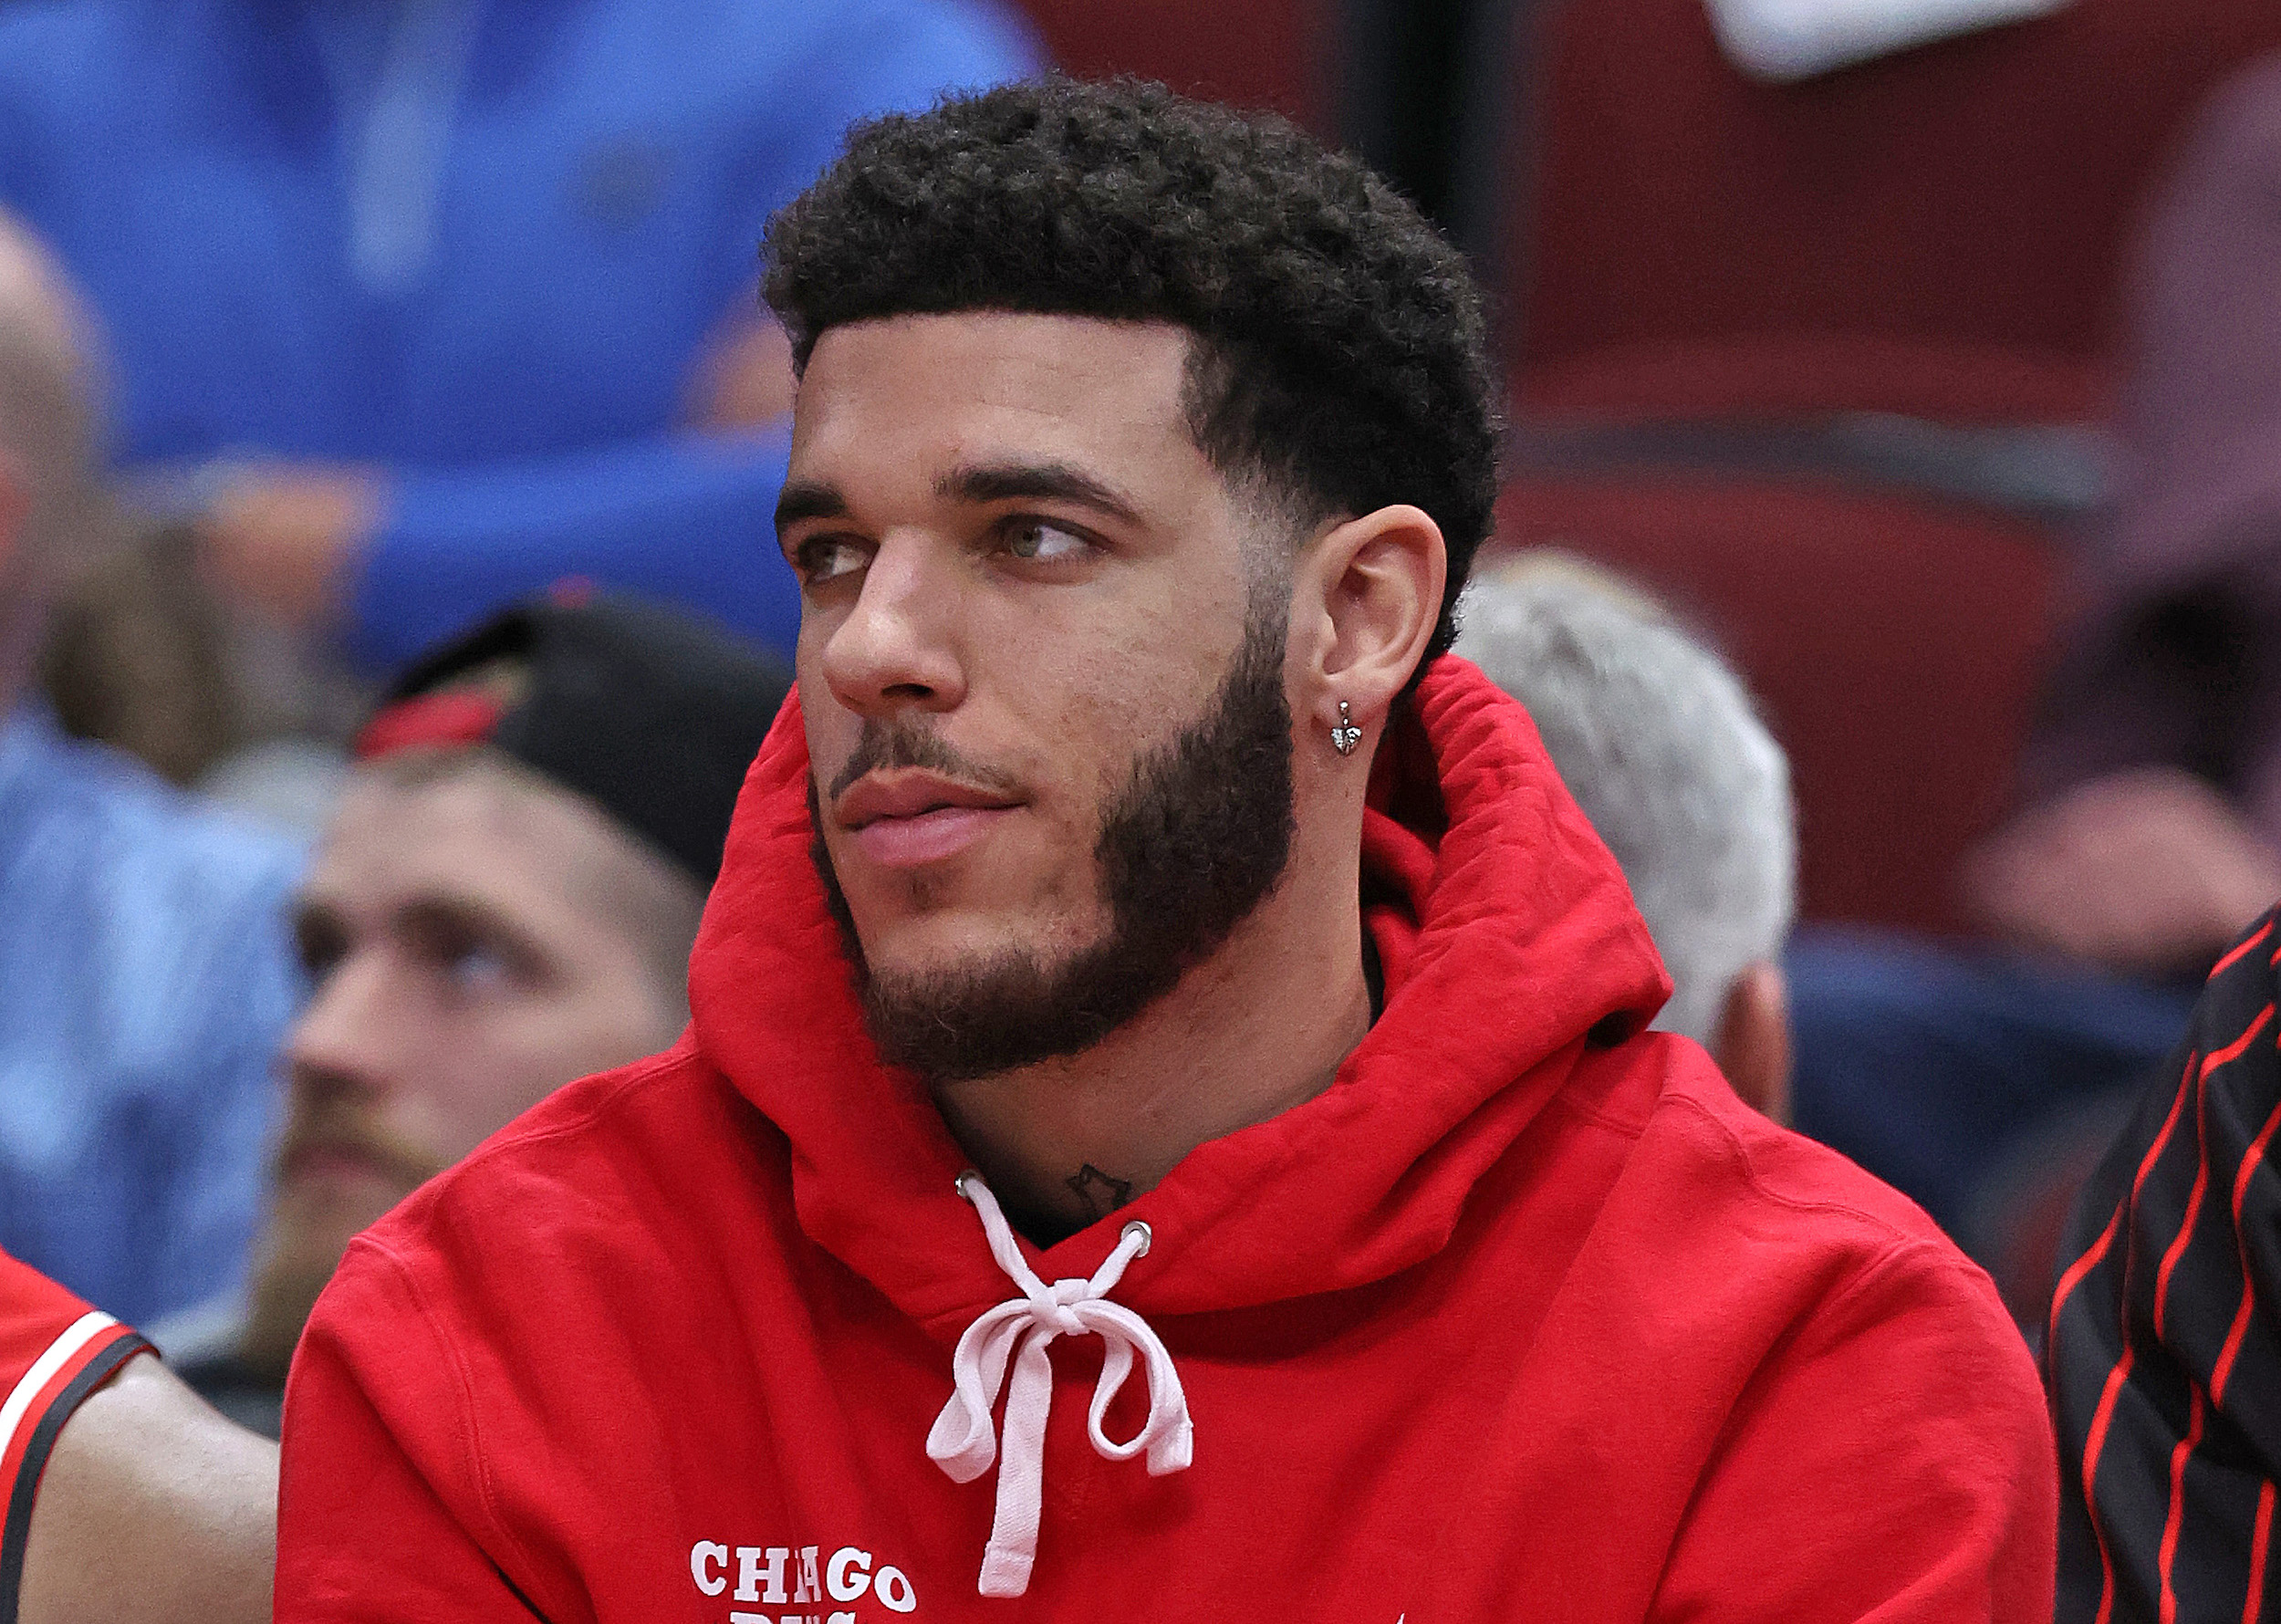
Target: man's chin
{"x": 955, "y": 936}
{"x": 976, "y": 1014}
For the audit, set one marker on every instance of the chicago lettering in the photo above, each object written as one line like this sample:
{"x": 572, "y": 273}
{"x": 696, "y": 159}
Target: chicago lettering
{"x": 782, "y": 1576}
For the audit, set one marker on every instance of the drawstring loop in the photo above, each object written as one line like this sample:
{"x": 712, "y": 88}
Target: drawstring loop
{"x": 1018, "y": 1331}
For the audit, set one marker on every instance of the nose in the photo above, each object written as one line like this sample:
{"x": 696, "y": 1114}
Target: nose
{"x": 342, "y": 1045}
{"x": 896, "y": 650}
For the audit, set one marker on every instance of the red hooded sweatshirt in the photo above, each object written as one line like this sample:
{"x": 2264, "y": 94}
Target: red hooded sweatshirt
{"x": 1526, "y": 1316}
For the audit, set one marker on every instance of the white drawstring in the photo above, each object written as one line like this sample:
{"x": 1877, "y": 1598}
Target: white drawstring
{"x": 961, "y": 1443}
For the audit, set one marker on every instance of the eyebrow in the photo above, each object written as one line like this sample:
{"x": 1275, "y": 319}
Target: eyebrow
{"x": 427, "y": 915}
{"x": 808, "y": 499}
{"x": 436, "y": 914}
{"x": 1051, "y": 482}
{"x": 977, "y": 484}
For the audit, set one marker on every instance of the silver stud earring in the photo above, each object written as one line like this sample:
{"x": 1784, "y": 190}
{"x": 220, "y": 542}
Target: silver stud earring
{"x": 1346, "y": 735}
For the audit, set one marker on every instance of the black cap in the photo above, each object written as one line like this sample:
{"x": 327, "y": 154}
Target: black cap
{"x": 649, "y": 713}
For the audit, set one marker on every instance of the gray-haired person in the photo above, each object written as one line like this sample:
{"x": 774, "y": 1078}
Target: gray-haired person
{"x": 1661, "y": 745}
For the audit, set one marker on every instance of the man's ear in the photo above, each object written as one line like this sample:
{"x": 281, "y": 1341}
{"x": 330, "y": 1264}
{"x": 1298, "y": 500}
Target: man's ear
{"x": 1753, "y": 1042}
{"x": 1366, "y": 600}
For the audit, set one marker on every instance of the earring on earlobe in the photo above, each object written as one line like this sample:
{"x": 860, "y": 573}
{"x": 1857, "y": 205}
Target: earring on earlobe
{"x": 1345, "y": 735}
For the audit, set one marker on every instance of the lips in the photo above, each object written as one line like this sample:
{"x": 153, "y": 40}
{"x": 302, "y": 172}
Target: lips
{"x": 326, "y": 1143}
{"x": 905, "y": 817}
{"x": 332, "y": 1165}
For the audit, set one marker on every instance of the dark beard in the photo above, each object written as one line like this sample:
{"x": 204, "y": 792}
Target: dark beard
{"x": 1197, "y": 839}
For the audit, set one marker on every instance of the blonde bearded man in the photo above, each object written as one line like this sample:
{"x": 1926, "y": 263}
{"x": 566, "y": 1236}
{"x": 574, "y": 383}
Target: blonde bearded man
{"x": 504, "y": 901}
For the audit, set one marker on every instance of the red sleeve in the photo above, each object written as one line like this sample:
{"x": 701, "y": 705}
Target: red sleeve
{"x": 1892, "y": 1461}
{"x": 380, "y": 1516}
{"x": 54, "y": 1351}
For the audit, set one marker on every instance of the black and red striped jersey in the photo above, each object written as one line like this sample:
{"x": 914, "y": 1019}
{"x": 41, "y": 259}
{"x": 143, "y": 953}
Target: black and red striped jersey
{"x": 54, "y": 1351}
{"x": 2165, "y": 1356}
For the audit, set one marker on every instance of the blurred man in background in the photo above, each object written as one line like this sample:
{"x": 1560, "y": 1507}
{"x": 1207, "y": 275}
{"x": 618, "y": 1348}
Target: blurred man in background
{"x": 431, "y": 299}
{"x": 2154, "y": 832}
{"x": 1662, "y": 748}
{"x": 146, "y": 971}
{"x": 504, "y": 903}
{"x": 1983, "y": 1081}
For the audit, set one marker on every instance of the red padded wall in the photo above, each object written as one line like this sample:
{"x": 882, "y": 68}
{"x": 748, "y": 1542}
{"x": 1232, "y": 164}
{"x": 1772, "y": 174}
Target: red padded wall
{"x": 1250, "y": 53}
{"x": 1974, "y": 194}
{"x": 1894, "y": 645}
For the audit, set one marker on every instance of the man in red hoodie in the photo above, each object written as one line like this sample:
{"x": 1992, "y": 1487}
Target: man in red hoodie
{"x": 1143, "y": 963}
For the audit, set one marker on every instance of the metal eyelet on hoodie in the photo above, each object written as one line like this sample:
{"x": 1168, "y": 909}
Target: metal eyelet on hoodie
{"x": 1018, "y": 1331}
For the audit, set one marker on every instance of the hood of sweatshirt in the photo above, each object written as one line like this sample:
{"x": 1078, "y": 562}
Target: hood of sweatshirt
{"x": 1508, "y": 938}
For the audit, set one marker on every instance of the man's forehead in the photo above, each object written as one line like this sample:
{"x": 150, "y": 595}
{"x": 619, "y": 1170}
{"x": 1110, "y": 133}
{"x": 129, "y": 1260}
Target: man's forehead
{"x": 991, "y": 383}
{"x": 472, "y": 828}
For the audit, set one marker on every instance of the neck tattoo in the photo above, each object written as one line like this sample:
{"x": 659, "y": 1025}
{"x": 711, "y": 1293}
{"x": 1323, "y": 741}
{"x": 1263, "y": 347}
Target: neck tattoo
{"x": 1099, "y": 1193}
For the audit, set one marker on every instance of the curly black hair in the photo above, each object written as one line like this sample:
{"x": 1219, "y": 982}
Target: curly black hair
{"x": 1341, "y": 363}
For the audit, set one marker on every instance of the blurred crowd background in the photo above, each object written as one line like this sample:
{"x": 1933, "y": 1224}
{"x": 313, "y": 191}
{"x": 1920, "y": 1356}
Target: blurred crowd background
{"x": 1917, "y": 362}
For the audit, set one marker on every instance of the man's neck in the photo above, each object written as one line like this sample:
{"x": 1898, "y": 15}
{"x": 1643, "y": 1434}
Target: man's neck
{"x": 1260, "y": 1027}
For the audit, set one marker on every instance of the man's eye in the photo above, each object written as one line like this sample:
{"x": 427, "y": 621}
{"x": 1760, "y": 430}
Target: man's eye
{"x": 1035, "y": 540}
{"x": 477, "y": 968}
{"x": 320, "y": 956}
{"x": 826, "y": 558}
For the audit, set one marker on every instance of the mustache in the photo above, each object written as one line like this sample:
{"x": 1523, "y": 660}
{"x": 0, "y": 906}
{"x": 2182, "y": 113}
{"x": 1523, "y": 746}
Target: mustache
{"x": 904, "y": 743}
{"x": 342, "y": 1127}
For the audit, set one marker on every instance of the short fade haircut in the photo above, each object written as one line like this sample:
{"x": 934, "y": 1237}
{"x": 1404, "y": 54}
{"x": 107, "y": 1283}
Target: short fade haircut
{"x": 1660, "y": 744}
{"x": 1340, "y": 364}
